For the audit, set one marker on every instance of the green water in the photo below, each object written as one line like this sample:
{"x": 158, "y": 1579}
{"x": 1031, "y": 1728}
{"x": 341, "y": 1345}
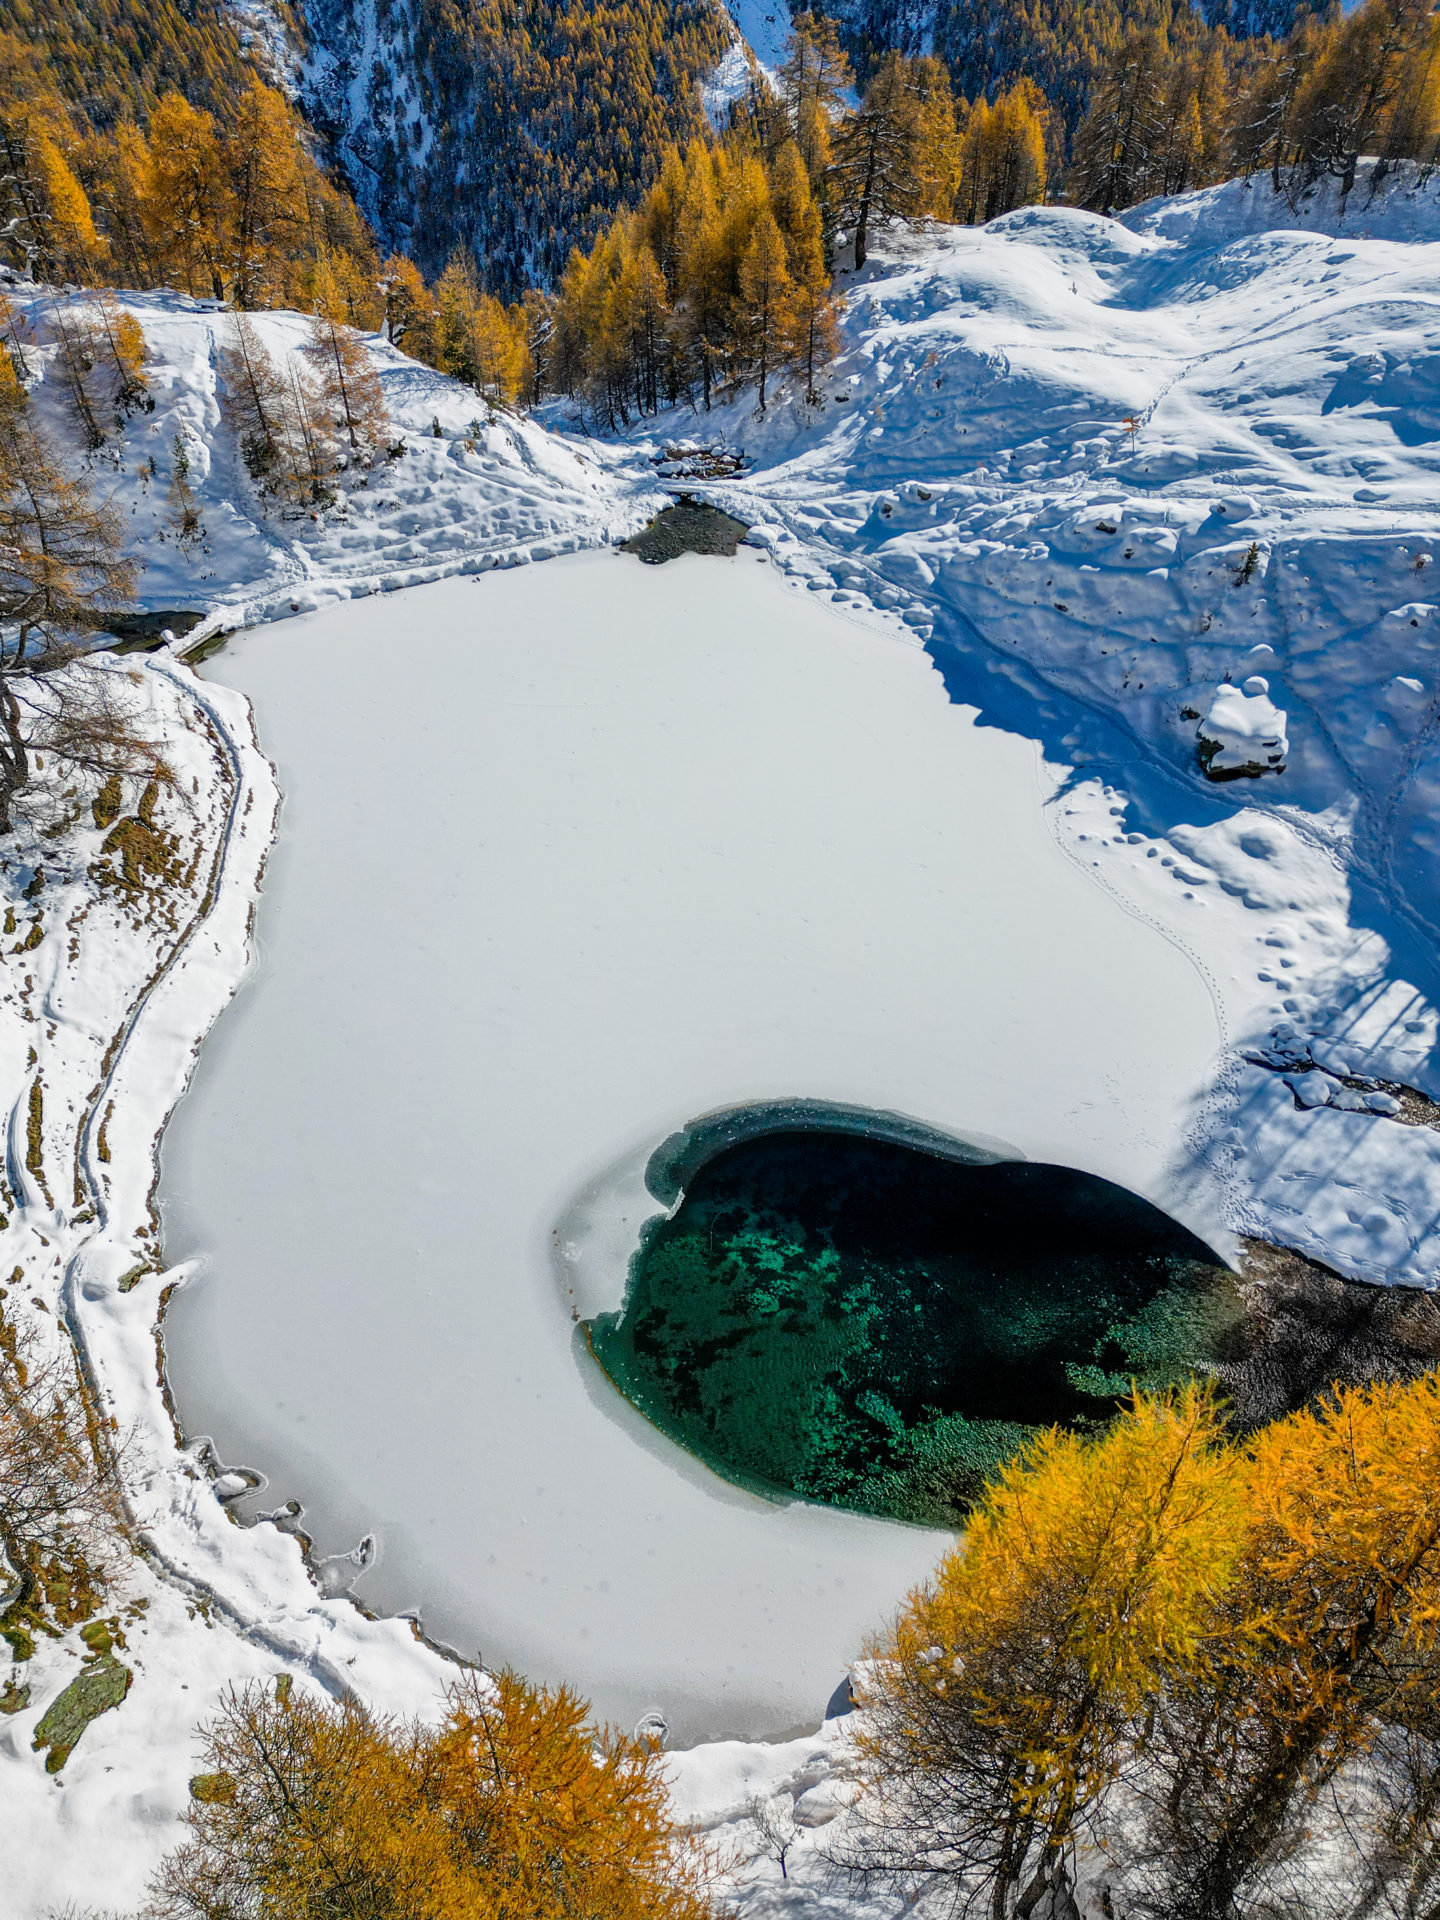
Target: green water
{"x": 871, "y": 1326}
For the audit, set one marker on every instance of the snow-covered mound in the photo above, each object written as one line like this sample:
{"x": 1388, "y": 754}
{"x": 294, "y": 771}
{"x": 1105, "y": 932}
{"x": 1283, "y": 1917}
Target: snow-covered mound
{"x": 1242, "y": 731}
{"x": 1397, "y": 202}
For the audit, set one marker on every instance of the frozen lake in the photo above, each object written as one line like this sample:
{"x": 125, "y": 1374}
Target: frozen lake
{"x": 571, "y": 856}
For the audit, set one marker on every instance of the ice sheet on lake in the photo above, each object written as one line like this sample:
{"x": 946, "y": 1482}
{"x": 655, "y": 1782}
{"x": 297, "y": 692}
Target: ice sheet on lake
{"x": 618, "y": 846}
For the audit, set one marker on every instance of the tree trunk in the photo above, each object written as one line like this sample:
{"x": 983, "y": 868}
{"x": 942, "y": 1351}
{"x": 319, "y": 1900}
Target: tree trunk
{"x": 14, "y": 761}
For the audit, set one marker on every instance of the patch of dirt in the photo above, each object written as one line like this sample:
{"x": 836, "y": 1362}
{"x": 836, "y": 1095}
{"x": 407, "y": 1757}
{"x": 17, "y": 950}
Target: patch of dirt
{"x": 102, "y": 1683}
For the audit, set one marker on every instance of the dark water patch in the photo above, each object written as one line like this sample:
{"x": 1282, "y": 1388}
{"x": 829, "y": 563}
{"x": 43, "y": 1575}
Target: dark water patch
{"x": 145, "y": 632}
{"x": 690, "y": 526}
{"x": 875, "y": 1324}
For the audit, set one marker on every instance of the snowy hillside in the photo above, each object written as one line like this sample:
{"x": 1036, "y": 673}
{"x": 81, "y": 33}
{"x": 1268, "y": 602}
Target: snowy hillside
{"x": 464, "y": 488}
{"x": 1126, "y": 482}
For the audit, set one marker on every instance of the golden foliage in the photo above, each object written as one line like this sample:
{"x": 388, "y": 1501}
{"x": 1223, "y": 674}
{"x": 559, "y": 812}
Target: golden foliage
{"x": 118, "y": 58}
{"x": 999, "y": 1701}
{"x": 1002, "y": 154}
{"x": 1241, "y": 1621}
{"x": 716, "y": 279}
{"x": 513, "y": 1809}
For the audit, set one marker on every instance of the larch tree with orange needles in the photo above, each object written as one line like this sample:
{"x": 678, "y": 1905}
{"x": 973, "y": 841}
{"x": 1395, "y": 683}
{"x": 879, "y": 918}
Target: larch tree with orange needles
{"x": 514, "y": 1809}
{"x": 998, "y": 1707}
{"x": 1329, "y": 1638}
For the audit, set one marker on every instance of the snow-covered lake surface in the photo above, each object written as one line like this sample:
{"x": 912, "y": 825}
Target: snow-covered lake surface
{"x": 570, "y": 856}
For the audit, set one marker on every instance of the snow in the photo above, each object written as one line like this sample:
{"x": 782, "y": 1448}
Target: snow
{"x": 762, "y": 34}
{"x": 1045, "y": 454}
{"x": 490, "y": 489}
{"x": 1106, "y": 468}
{"x": 1242, "y": 730}
{"x": 683, "y": 839}
{"x": 765, "y": 25}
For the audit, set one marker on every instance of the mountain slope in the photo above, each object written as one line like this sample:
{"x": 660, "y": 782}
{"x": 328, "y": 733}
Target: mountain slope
{"x": 514, "y": 126}
{"x": 112, "y": 60}
{"x": 1063, "y": 45}
{"x": 1107, "y": 468}
{"x": 973, "y": 484}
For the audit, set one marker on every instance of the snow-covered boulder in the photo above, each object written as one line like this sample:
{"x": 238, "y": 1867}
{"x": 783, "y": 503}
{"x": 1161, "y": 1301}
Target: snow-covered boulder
{"x": 1242, "y": 732}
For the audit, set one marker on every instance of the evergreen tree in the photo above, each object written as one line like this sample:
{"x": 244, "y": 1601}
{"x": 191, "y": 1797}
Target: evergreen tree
{"x": 62, "y": 566}
{"x": 252, "y": 395}
{"x": 1001, "y": 156}
{"x": 766, "y": 305}
{"x": 1126, "y": 127}
{"x": 185, "y": 201}
{"x": 641, "y": 327}
{"x": 76, "y": 355}
{"x": 703, "y": 298}
{"x": 627, "y": 330}
{"x": 813, "y": 83}
{"x": 476, "y": 339}
{"x": 877, "y": 170}
{"x": 122, "y": 349}
{"x": 114, "y": 171}
{"x": 46, "y": 222}
{"x": 1370, "y": 90}
{"x": 408, "y": 307}
{"x": 348, "y": 383}
{"x": 796, "y": 213}
{"x": 262, "y": 187}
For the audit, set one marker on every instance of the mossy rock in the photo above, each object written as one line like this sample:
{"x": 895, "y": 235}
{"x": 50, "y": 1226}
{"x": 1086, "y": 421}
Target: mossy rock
{"x": 106, "y": 805}
{"x": 14, "y": 1698}
{"x": 19, "y": 1639}
{"x": 100, "y": 1684}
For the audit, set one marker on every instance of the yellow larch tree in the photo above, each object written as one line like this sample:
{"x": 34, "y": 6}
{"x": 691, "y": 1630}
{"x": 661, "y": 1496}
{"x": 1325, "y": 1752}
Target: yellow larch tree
{"x": 765, "y": 308}
{"x": 515, "y": 1808}
{"x": 349, "y": 384}
{"x": 999, "y": 1704}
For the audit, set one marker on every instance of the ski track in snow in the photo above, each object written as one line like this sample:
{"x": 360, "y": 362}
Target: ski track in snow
{"x": 1283, "y": 369}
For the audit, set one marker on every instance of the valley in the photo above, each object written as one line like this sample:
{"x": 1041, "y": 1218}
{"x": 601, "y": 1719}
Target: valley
{"x": 498, "y": 860}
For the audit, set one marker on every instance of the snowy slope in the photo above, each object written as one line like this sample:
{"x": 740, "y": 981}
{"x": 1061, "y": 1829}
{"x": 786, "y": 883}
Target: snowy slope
{"x": 489, "y": 489}
{"x": 1081, "y": 583}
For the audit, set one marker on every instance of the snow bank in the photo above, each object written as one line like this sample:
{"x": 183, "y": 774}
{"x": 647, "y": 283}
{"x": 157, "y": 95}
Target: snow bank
{"x": 472, "y": 487}
{"x": 1104, "y": 468}
{"x": 1400, "y": 202}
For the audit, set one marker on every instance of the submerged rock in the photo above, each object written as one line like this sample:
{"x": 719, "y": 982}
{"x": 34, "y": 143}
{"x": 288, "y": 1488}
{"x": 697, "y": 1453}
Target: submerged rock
{"x": 867, "y": 1323}
{"x": 690, "y": 526}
